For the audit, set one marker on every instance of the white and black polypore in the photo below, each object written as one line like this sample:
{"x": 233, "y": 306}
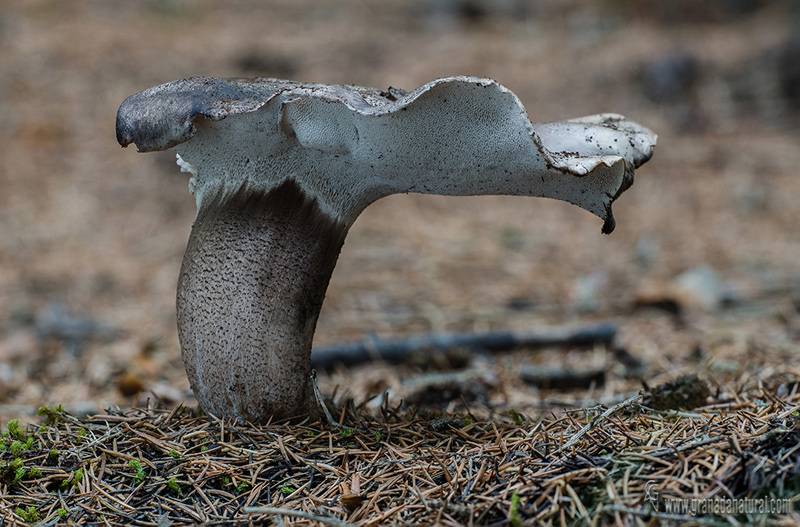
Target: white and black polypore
{"x": 281, "y": 170}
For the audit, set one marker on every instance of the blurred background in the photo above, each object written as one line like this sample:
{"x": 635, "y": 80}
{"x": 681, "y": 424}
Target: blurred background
{"x": 702, "y": 273}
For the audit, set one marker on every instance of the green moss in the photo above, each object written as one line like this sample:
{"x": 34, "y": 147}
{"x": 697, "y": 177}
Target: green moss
{"x": 77, "y": 477}
{"x": 242, "y": 487}
{"x": 20, "y": 473}
{"x": 73, "y": 480}
{"x": 54, "y": 453}
{"x": 81, "y": 436}
{"x": 13, "y": 472}
{"x": 516, "y": 417}
{"x": 346, "y": 432}
{"x": 15, "y": 432}
{"x": 287, "y": 489}
{"x": 62, "y": 513}
{"x": 17, "y": 448}
{"x": 52, "y": 414}
{"x": 514, "y": 518}
{"x": 140, "y": 476}
{"x": 174, "y": 487}
{"x": 174, "y": 454}
{"x": 31, "y": 515}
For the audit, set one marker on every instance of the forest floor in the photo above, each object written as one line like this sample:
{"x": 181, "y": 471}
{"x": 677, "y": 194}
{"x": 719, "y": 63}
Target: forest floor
{"x": 701, "y": 277}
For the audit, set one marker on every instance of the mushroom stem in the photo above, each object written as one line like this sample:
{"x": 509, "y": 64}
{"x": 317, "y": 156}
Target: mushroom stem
{"x": 251, "y": 286}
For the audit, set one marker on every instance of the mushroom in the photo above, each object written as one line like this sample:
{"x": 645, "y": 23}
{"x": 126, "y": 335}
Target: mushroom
{"x": 281, "y": 170}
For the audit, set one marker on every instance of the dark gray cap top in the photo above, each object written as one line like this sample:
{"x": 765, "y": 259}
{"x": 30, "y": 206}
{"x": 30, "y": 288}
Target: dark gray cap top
{"x": 163, "y": 116}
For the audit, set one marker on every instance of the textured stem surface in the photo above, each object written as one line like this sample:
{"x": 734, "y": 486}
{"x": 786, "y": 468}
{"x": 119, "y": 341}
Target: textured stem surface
{"x": 250, "y": 290}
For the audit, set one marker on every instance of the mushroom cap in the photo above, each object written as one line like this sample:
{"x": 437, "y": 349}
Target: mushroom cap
{"x": 347, "y": 146}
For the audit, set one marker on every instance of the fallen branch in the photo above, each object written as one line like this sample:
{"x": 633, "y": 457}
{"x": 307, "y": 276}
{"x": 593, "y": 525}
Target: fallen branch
{"x": 399, "y": 350}
{"x": 562, "y": 378}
